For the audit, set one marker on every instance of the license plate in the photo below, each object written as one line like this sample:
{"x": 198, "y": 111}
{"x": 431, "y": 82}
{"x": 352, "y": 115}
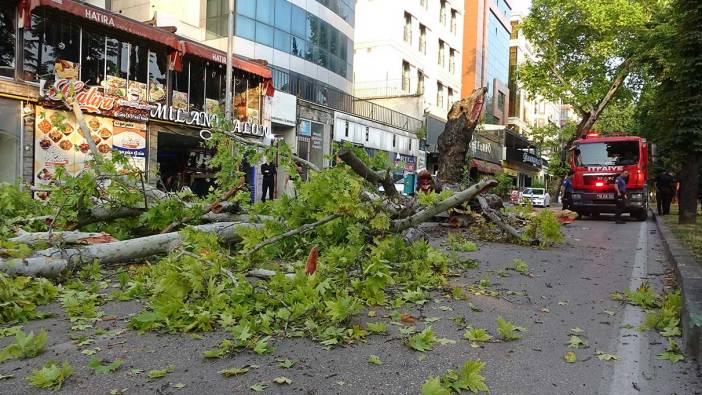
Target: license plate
{"x": 605, "y": 196}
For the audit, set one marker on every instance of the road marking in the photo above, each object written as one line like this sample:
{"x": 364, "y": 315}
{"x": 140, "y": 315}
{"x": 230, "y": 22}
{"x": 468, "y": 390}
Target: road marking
{"x": 632, "y": 345}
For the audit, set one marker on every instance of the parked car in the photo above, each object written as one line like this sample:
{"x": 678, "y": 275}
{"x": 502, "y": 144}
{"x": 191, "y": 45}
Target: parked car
{"x": 537, "y": 196}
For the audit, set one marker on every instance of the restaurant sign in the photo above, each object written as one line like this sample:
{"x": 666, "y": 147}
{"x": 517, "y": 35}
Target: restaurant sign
{"x": 204, "y": 120}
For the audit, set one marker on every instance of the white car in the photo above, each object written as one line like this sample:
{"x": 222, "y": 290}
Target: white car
{"x": 537, "y": 196}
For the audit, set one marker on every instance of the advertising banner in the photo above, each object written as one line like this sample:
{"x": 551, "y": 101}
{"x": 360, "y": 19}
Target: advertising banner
{"x": 129, "y": 138}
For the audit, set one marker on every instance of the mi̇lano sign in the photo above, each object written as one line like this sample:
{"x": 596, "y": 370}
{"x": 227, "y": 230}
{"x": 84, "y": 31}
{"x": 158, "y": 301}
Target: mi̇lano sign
{"x": 204, "y": 120}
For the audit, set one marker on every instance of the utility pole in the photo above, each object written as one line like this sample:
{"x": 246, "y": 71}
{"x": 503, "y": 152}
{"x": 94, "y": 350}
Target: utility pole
{"x": 229, "y": 71}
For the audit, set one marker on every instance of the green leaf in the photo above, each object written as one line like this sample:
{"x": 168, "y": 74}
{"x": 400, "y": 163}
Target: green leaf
{"x": 520, "y": 266}
{"x": 477, "y": 335}
{"x": 25, "y": 346}
{"x": 101, "y": 368}
{"x": 262, "y": 347}
{"x": 469, "y": 378}
{"x": 159, "y": 373}
{"x": 507, "y": 329}
{"x": 377, "y": 327}
{"x": 672, "y": 352}
{"x": 576, "y": 342}
{"x": 282, "y": 380}
{"x": 51, "y": 375}
{"x": 570, "y": 356}
{"x": 603, "y": 356}
{"x": 258, "y": 387}
{"x": 286, "y": 363}
{"x": 423, "y": 341}
{"x": 231, "y": 372}
{"x": 375, "y": 360}
{"x": 433, "y": 386}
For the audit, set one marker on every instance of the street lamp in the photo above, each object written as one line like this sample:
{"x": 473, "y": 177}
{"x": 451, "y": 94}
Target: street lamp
{"x": 230, "y": 41}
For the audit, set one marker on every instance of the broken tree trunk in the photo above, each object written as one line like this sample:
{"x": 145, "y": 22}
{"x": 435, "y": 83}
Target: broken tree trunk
{"x": 53, "y": 238}
{"x": 54, "y": 261}
{"x": 454, "y": 141}
{"x": 495, "y": 218}
{"x": 455, "y": 200}
{"x": 380, "y": 178}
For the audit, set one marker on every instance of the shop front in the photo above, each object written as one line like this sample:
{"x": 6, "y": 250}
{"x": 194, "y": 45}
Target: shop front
{"x": 283, "y": 127}
{"x": 522, "y": 160}
{"x": 486, "y": 152}
{"x": 145, "y": 93}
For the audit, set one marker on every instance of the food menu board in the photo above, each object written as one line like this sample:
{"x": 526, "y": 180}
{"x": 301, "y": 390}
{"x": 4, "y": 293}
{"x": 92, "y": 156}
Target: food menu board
{"x": 59, "y": 143}
{"x": 129, "y": 138}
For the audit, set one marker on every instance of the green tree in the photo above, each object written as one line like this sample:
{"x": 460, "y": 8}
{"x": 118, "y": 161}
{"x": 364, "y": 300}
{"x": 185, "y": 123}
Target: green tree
{"x": 670, "y": 109}
{"x": 587, "y": 52}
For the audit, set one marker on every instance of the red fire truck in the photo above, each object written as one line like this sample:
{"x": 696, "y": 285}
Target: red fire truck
{"x": 596, "y": 161}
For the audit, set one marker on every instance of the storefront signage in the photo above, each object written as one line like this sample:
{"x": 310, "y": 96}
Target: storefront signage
{"x": 178, "y": 115}
{"x": 520, "y": 156}
{"x": 100, "y": 18}
{"x": 486, "y": 150}
{"x": 284, "y": 109}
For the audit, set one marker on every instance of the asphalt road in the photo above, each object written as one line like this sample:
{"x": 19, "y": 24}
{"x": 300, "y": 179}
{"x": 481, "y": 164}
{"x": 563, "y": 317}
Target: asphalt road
{"x": 569, "y": 287}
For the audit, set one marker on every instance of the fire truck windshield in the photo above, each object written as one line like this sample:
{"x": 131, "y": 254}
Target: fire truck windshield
{"x": 615, "y": 153}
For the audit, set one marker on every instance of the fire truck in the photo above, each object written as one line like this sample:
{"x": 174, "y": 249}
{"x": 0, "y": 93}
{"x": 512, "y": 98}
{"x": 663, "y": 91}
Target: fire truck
{"x": 596, "y": 161}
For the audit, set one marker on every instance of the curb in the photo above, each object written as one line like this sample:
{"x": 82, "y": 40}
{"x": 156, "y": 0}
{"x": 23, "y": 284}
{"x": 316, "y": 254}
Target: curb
{"x": 689, "y": 275}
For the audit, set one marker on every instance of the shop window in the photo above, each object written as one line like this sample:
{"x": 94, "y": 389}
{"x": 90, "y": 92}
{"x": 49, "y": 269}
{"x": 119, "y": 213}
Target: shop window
{"x": 92, "y": 63}
{"x": 117, "y": 54}
{"x": 240, "y": 98}
{"x": 179, "y": 83}
{"x": 158, "y": 71}
{"x": 138, "y": 72}
{"x": 47, "y": 40}
{"x": 8, "y": 41}
{"x": 215, "y": 87}
{"x": 197, "y": 85}
{"x": 253, "y": 105}
{"x": 283, "y": 11}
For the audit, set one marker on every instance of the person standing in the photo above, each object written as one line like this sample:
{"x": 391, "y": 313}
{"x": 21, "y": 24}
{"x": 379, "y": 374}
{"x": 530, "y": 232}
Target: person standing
{"x": 269, "y": 172}
{"x": 567, "y": 191}
{"x": 665, "y": 191}
{"x": 620, "y": 195}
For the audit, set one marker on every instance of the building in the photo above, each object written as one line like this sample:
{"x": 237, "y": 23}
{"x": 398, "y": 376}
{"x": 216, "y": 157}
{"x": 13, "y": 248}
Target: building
{"x": 412, "y": 64}
{"x": 486, "y": 55}
{"x": 145, "y": 92}
{"x": 308, "y": 44}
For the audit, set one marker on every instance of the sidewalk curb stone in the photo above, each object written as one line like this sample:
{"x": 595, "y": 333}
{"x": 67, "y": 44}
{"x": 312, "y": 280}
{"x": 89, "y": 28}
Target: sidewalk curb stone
{"x": 689, "y": 275}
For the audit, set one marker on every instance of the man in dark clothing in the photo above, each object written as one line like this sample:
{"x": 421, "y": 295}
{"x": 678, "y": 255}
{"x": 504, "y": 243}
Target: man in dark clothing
{"x": 567, "y": 191}
{"x": 665, "y": 190}
{"x": 269, "y": 172}
{"x": 620, "y": 195}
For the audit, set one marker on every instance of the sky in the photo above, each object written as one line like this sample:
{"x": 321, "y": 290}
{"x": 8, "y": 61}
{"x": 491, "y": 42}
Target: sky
{"x": 520, "y": 5}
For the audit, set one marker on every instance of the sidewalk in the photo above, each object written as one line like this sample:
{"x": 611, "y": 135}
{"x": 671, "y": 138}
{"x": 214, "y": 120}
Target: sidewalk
{"x": 689, "y": 274}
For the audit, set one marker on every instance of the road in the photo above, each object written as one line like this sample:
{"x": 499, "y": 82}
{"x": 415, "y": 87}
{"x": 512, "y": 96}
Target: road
{"x": 569, "y": 287}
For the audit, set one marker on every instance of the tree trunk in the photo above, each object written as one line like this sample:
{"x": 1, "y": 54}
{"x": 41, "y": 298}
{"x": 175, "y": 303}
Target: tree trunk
{"x": 454, "y": 141}
{"x": 374, "y": 177}
{"x": 689, "y": 182}
{"x": 54, "y": 261}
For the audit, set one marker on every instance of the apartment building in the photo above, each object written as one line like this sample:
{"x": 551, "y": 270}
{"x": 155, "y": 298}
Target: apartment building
{"x": 407, "y": 56}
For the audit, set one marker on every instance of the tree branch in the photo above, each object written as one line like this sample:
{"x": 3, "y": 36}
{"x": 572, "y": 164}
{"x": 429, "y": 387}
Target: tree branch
{"x": 370, "y": 175}
{"x": 447, "y": 204}
{"x": 302, "y": 229}
{"x": 227, "y": 195}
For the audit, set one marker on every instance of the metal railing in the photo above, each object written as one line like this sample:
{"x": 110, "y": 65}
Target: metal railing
{"x": 313, "y": 91}
{"x": 385, "y": 88}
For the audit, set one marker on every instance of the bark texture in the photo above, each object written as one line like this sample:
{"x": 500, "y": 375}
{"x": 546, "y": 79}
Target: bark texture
{"x": 454, "y": 141}
{"x": 383, "y": 179}
{"x": 689, "y": 180}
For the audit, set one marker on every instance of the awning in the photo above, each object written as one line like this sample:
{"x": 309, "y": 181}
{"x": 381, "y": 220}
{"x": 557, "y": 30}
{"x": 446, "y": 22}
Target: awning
{"x": 203, "y": 51}
{"x": 486, "y": 167}
{"x": 100, "y": 16}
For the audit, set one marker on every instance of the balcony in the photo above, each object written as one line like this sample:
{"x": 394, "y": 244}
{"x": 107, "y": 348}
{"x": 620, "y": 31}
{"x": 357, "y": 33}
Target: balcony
{"x": 386, "y": 89}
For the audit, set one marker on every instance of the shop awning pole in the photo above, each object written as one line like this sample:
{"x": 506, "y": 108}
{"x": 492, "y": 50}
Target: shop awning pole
{"x": 230, "y": 42}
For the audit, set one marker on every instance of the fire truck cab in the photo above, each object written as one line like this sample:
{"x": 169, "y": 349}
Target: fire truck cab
{"x": 596, "y": 161}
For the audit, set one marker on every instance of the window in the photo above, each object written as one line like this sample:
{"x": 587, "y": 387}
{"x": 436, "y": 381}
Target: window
{"x": 367, "y": 133}
{"x": 442, "y": 54}
{"x": 299, "y": 18}
{"x": 424, "y": 4}
{"x": 8, "y": 41}
{"x": 197, "y": 85}
{"x": 346, "y": 129}
{"x": 179, "y": 83}
{"x": 49, "y": 39}
{"x": 298, "y": 46}
{"x": 217, "y": 18}
{"x": 117, "y": 56}
{"x": 264, "y": 34}
{"x": 422, "y": 39}
{"x": 282, "y": 41}
{"x": 454, "y": 17}
{"x": 450, "y": 97}
{"x": 408, "y": 28}
{"x": 245, "y": 7}
{"x": 501, "y": 101}
{"x": 405, "y": 76}
{"x": 158, "y": 71}
{"x": 452, "y": 61}
{"x": 442, "y": 12}
{"x": 420, "y": 82}
{"x": 92, "y": 64}
{"x": 409, "y": 144}
{"x": 215, "y": 85}
{"x": 245, "y": 28}
{"x": 394, "y": 140}
{"x": 439, "y": 95}
{"x": 264, "y": 11}
{"x": 283, "y": 12}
